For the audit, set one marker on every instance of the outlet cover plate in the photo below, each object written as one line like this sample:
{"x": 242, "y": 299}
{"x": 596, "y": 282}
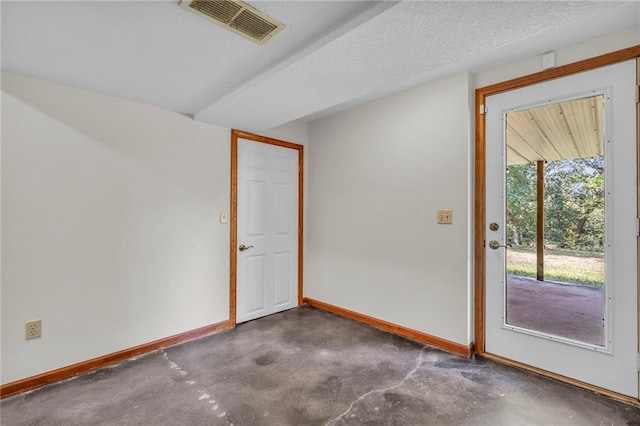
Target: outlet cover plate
{"x": 32, "y": 329}
{"x": 445, "y": 217}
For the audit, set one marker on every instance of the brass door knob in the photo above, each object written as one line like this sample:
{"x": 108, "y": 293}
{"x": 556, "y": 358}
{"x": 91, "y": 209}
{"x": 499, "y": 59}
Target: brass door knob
{"x": 243, "y": 247}
{"x": 495, "y": 245}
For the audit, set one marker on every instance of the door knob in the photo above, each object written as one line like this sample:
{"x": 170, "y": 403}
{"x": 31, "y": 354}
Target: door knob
{"x": 495, "y": 245}
{"x": 243, "y": 247}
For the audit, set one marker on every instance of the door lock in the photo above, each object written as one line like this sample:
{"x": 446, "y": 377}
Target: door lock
{"x": 494, "y": 226}
{"x": 243, "y": 247}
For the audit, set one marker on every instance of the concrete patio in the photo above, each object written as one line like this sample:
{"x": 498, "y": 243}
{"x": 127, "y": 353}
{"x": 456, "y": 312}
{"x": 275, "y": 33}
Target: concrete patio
{"x": 571, "y": 311}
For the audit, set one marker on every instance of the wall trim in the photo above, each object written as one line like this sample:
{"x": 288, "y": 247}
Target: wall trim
{"x": 409, "y": 333}
{"x": 233, "y": 240}
{"x": 614, "y": 395}
{"x": 69, "y": 371}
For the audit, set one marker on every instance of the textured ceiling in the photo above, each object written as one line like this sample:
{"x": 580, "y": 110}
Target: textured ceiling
{"x": 154, "y": 52}
{"x": 330, "y": 56}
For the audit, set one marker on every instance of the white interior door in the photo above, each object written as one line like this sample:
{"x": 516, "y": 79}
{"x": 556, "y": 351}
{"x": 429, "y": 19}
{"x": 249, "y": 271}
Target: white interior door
{"x": 613, "y": 364}
{"x": 267, "y": 230}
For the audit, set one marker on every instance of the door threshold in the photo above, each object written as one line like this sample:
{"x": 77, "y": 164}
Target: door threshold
{"x": 611, "y": 394}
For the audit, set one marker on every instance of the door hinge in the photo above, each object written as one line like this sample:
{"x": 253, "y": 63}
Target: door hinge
{"x": 637, "y": 226}
{"x": 638, "y": 362}
{"x": 637, "y": 93}
{"x": 483, "y": 109}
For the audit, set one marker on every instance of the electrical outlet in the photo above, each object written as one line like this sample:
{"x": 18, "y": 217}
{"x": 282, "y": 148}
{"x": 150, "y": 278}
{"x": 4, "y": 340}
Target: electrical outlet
{"x": 32, "y": 329}
{"x": 445, "y": 217}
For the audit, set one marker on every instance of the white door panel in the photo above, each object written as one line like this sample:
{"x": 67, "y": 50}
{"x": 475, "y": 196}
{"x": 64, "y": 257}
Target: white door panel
{"x": 613, "y": 365}
{"x": 267, "y": 222}
{"x": 255, "y": 284}
{"x": 283, "y": 282}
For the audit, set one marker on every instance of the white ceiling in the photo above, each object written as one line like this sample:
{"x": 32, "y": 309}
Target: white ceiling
{"x": 332, "y": 54}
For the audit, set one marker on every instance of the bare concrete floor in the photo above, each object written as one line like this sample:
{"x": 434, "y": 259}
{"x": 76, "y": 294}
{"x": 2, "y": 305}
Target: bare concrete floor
{"x": 307, "y": 367}
{"x": 567, "y": 310}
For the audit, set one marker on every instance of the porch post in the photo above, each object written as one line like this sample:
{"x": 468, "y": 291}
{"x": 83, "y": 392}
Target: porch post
{"x": 540, "y": 222}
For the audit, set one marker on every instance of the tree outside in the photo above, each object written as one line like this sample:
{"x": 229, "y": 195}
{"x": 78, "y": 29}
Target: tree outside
{"x": 574, "y": 220}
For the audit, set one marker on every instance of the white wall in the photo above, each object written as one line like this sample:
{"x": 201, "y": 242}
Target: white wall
{"x": 379, "y": 172}
{"x": 295, "y": 131}
{"x": 377, "y": 175}
{"x": 110, "y": 224}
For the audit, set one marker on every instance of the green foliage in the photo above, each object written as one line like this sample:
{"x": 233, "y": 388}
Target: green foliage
{"x": 574, "y": 204}
{"x": 521, "y": 204}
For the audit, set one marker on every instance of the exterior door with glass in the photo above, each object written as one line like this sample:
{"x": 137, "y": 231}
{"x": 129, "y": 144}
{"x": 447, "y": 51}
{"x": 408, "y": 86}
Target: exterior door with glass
{"x": 561, "y": 191}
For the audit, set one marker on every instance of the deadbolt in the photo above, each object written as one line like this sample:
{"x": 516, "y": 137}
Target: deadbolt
{"x": 494, "y": 226}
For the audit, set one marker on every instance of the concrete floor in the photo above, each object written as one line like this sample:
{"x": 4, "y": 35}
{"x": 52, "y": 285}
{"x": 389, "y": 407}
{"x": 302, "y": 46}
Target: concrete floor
{"x": 308, "y": 367}
{"x": 572, "y": 311}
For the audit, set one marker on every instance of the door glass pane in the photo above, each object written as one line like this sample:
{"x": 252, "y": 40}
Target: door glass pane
{"x": 555, "y": 201}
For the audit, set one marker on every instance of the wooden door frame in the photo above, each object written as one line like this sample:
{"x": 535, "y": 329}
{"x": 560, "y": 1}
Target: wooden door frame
{"x": 480, "y": 194}
{"x": 235, "y": 135}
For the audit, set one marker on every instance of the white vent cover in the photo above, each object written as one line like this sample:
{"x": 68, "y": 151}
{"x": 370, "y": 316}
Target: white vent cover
{"x": 236, "y": 16}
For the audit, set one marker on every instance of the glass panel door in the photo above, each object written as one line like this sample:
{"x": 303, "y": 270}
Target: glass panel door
{"x": 561, "y": 245}
{"x": 555, "y": 210}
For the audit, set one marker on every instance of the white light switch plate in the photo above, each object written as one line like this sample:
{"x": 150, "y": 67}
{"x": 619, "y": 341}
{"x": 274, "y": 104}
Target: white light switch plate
{"x": 224, "y": 217}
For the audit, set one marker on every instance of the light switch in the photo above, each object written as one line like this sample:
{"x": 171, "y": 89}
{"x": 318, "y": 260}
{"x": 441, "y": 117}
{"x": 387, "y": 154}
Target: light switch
{"x": 445, "y": 217}
{"x": 224, "y": 217}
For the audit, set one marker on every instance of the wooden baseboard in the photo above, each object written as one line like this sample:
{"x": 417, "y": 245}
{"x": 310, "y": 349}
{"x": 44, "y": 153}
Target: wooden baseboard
{"x": 418, "y": 336}
{"x": 583, "y": 385}
{"x": 82, "y": 367}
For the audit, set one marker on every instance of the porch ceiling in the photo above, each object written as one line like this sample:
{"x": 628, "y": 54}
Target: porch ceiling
{"x": 572, "y": 129}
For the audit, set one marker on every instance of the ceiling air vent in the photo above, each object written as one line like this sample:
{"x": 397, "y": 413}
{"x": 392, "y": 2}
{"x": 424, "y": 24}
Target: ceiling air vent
{"x": 236, "y": 16}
